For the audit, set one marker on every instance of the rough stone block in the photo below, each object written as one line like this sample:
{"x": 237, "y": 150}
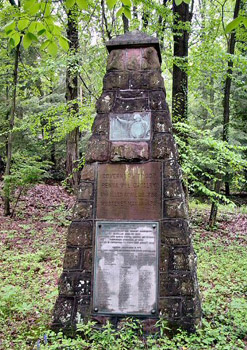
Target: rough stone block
{"x": 88, "y": 172}
{"x": 132, "y": 94}
{"x": 105, "y": 102}
{"x": 156, "y": 80}
{"x": 163, "y": 146}
{"x": 150, "y": 59}
{"x": 116, "y": 60}
{"x": 133, "y": 59}
{"x": 72, "y": 259}
{"x": 172, "y": 169}
{"x": 170, "y": 308}
{"x": 161, "y": 122}
{"x": 131, "y": 105}
{"x": 158, "y": 100}
{"x": 129, "y": 151}
{"x": 163, "y": 258}
{"x": 82, "y": 311}
{"x": 80, "y": 233}
{"x": 82, "y": 284}
{"x": 175, "y": 208}
{"x": 176, "y": 284}
{"x": 173, "y": 189}
{"x": 65, "y": 284}
{"x": 139, "y": 80}
{"x": 116, "y": 80}
{"x": 63, "y": 311}
{"x": 85, "y": 191}
{"x": 179, "y": 259}
{"x": 98, "y": 150}
{"x": 191, "y": 307}
{"x": 87, "y": 259}
{"x": 101, "y": 125}
{"x": 83, "y": 210}
{"x": 175, "y": 232}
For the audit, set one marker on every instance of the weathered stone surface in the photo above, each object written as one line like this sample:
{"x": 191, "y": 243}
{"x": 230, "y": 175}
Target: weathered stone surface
{"x": 191, "y": 308}
{"x": 98, "y": 150}
{"x": 105, "y": 102}
{"x": 88, "y": 172}
{"x": 72, "y": 259}
{"x": 83, "y": 210}
{"x": 149, "y": 326}
{"x": 85, "y": 191}
{"x": 63, "y": 312}
{"x": 164, "y": 258}
{"x": 172, "y": 170}
{"x": 163, "y": 146}
{"x": 82, "y": 310}
{"x": 101, "y": 125}
{"x": 173, "y": 189}
{"x": 133, "y": 59}
{"x": 80, "y": 233}
{"x": 116, "y": 80}
{"x": 129, "y": 151}
{"x": 175, "y": 232}
{"x": 171, "y": 307}
{"x": 175, "y": 208}
{"x": 116, "y": 60}
{"x": 74, "y": 284}
{"x": 132, "y": 94}
{"x": 87, "y": 259}
{"x": 176, "y": 284}
{"x": 131, "y": 105}
{"x": 158, "y": 100}
{"x": 145, "y": 80}
{"x": 162, "y": 121}
{"x": 180, "y": 258}
{"x": 150, "y": 59}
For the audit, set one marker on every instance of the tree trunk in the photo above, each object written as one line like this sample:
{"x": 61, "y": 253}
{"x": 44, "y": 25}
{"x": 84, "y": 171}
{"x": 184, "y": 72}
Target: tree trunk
{"x": 180, "y": 77}
{"x": 125, "y": 23}
{"x": 10, "y": 133}
{"x": 226, "y": 111}
{"x": 227, "y": 89}
{"x": 72, "y": 151}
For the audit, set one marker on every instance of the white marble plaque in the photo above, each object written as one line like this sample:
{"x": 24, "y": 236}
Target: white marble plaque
{"x": 130, "y": 126}
{"x": 126, "y": 268}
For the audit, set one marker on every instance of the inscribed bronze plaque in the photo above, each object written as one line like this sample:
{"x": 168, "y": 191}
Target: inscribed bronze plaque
{"x": 126, "y": 268}
{"x": 129, "y": 191}
{"x": 130, "y": 126}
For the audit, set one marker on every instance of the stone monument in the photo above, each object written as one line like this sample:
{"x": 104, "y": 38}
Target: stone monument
{"x": 129, "y": 250}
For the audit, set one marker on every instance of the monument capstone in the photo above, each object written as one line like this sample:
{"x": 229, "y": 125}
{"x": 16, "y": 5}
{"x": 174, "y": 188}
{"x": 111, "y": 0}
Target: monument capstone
{"x": 129, "y": 250}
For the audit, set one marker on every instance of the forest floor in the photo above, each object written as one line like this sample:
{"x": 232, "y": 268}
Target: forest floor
{"x": 32, "y": 245}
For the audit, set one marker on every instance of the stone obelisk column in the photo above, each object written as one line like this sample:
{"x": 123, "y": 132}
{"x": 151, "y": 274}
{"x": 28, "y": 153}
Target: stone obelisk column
{"x": 129, "y": 250}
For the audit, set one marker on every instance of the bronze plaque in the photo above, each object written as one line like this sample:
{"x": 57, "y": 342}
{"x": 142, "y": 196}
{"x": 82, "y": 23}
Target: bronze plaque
{"x": 130, "y": 126}
{"x": 129, "y": 191}
{"x": 126, "y": 268}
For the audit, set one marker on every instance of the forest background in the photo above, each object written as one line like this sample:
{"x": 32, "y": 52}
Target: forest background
{"x": 53, "y": 60}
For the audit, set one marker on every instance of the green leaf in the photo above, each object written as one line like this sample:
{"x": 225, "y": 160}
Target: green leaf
{"x": 22, "y": 24}
{"x": 120, "y": 12}
{"x": 126, "y": 3}
{"x": 69, "y": 3}
{"x": 244, "y": 20}
{"x": 52, "y": 48}
{"x": 186, "y": 1}
{"x": 111, "y": 3}
{"x": 28, "y": 4}
{"x": 9, "y": 27}
{"x": 16, "y": 38}
{"x": 40, "y": 32}
{"x": 44, "y": 44}
{"x": 178, "y": 2}
{"x": 27, "y": 40}
{"x": 82, "y": 4}
{"x": 34, "y": 9}
{"x": 232, "y": 25}
{"x": 63, "y": 42}
{"x": 127, "y": 12}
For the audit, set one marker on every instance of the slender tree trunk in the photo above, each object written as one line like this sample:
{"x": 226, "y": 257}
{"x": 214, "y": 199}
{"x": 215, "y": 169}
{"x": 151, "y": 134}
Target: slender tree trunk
{"x": 226, "y": 101}
{"x": 72, "y": 151}
{"x": 226, "y": 112}
{"x": 125, "y": 23}
{"x": 11, "y": 127}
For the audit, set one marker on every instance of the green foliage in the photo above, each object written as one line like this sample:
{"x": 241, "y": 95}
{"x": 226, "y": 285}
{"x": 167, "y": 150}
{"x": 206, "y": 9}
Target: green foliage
{"x": 236, "y": 23}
